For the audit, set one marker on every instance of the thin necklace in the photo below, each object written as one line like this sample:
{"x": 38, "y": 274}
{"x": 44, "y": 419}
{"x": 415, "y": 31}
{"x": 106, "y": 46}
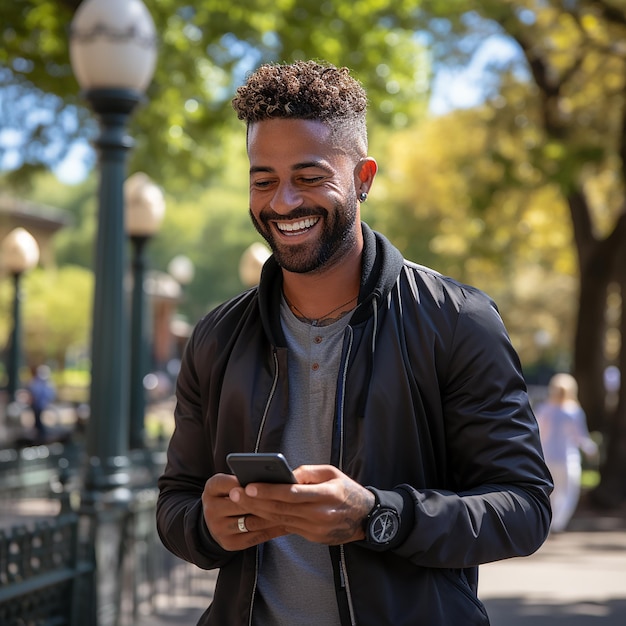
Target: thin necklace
{"x": 317, "y": 321}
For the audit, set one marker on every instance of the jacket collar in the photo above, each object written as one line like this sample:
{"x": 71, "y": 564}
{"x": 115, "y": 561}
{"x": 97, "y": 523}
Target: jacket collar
{"x": 381, "y": 264}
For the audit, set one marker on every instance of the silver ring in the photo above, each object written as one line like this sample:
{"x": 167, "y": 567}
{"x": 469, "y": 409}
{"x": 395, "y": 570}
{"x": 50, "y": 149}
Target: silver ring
{"x": 241, "y": 524}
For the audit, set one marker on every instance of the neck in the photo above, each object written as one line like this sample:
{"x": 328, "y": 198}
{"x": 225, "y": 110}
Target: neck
{"x": 325, "y": 319}
{"x": 315, "y": 297}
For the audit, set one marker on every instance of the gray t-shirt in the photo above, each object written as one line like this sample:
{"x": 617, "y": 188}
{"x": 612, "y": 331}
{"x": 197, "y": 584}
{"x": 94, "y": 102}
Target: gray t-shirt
{"x": 296, "y": 579}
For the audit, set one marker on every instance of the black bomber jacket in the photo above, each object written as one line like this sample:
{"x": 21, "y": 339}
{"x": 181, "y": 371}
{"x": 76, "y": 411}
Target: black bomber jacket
{"x": 432, "y": 411}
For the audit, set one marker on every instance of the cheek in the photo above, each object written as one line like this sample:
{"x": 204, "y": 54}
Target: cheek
{"x": 255, "y": 213}
{"x": 254, "y": 204}
{"x": 257, "y": 200}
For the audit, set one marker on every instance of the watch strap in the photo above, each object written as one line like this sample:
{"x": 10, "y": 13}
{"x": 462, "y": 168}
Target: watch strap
{"x": 376, "y": 506}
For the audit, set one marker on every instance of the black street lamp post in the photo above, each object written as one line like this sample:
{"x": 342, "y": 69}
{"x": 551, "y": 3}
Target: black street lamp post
{"x": 107, "y": 428}
{"x": 113, "y": 54}
{"x": 145, "y": 208}
{"x": 20, "y": 253}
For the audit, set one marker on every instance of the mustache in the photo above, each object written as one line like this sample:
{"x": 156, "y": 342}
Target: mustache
{"x": 300, "y": 212}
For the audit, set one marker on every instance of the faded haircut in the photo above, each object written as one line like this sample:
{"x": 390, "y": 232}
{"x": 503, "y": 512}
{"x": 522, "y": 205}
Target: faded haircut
{"x": 307, "y": 90}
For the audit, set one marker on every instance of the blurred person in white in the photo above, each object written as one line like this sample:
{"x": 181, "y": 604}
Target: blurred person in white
{"x": 564, "y": 434}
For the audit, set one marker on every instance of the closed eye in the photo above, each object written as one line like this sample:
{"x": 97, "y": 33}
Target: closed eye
{"x": 261, "y": 184}
{"x": 311, "y": 180}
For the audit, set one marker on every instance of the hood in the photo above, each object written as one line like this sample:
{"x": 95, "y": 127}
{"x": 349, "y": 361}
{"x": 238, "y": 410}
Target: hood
{"x": 381, "y": 264}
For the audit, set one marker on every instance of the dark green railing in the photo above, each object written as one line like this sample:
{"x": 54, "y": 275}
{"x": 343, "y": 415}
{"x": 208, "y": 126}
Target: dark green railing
{"x": 99, "y": 561}
{"x": 43, "y": 574}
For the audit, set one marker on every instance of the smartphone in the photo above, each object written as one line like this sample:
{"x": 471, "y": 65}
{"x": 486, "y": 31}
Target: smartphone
{"x": 260, "y": 467}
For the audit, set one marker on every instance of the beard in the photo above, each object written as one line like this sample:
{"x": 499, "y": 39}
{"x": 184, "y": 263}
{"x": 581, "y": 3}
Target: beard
{"x": 336, "y": 239}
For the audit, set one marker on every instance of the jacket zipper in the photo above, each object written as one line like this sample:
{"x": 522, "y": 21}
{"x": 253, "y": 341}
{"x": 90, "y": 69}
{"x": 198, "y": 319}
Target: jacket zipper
{"x": 269, "y": 401}
{"x": 256, "y": 449}
{"x": 345, "y": 582}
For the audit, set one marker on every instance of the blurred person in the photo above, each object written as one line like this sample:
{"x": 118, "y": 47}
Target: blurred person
{"x": 394, "y": 391}
{"x": 564, "y": 433}
{"x": 41, "y": 393}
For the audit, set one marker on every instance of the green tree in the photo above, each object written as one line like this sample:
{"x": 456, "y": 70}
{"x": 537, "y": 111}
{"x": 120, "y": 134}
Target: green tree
{"x": 212, "y": 228}
{"x": 562, "y": 95}
{"x": 575, "y": 64}
{"x": 205, "y": 48}
{"x": 452, "y": 210}
{"x": 73, "y": 244}
{"x": 56, "y": 313}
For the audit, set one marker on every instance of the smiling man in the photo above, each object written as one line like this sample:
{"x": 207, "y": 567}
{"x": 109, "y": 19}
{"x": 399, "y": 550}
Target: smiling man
{"x": 303, "y": 200}
{"x": 394, "y": 391}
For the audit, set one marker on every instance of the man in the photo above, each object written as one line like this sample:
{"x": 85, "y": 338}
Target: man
{"x": 394, "y": 391}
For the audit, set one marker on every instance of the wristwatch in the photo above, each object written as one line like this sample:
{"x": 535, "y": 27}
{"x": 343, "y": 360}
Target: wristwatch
{"x": 381, "y": 525}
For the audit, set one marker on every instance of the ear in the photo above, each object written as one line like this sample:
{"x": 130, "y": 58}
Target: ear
{"x": 365, "y": 172}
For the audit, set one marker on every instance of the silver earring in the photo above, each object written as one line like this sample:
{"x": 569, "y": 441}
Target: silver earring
{"x": 363, "y": 196}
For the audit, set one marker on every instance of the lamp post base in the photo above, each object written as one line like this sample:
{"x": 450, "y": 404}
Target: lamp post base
{"x": 104, "y": 474}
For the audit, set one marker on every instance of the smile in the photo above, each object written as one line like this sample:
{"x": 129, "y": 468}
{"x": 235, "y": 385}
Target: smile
{"x": 295, "y": 228}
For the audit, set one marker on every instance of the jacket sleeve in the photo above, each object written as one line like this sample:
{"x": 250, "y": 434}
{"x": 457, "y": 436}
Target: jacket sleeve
{"x": 495, "y": 503}
{"x": 179, "y": 513}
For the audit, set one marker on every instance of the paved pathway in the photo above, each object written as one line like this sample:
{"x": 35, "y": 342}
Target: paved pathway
{"x": 577, "y": 578}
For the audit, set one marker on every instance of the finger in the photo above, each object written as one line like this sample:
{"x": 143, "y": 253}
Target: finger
{"x": 216, "y": 507}
{"x": 331, "y": 512}
{"x": 257, "y": 530}
{"x": 251, "y": 524}
{"x": 275, "y": 507}
{"x": 220, "y": 484}
{"x": 290, "y": 494}
{"x": 315, "y": 474}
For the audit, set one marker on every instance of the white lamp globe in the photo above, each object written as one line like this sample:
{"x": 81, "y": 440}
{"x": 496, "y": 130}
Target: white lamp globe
{"x": 145, "y": 205}
{"x": 20, "y": 251}
{"x": 113, "y": 45}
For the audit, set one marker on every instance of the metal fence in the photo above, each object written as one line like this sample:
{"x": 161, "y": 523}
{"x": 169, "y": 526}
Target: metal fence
{"x": 32, "y": 472}
{"x": 43, "y": 575}
{"x": 95, "y": 562}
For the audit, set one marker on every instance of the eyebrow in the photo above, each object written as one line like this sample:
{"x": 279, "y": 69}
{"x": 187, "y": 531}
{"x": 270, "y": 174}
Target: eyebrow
{"x": 298, "y": 166}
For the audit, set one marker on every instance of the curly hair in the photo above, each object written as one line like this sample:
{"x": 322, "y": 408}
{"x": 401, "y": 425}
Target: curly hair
{"x": 307, "y": 90}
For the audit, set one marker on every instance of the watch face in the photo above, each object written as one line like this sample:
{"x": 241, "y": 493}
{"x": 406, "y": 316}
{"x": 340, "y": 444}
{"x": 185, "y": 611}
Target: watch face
{"x": 384, "y": 526}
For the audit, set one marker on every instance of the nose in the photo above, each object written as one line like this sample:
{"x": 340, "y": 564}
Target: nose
{"x": 286, "y": 197}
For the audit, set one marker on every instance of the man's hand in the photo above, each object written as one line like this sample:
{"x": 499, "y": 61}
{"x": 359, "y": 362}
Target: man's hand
{"x": 326, "y": 506}
{"x": 222, "y": 515}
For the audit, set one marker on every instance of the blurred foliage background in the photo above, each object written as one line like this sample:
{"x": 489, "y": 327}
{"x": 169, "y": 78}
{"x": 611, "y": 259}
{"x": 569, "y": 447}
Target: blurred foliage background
{"x": 498, "y": 126}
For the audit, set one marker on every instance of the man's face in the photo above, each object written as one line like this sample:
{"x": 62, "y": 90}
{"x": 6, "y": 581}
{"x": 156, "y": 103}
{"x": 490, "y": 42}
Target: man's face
{"x": 303, "y": 198}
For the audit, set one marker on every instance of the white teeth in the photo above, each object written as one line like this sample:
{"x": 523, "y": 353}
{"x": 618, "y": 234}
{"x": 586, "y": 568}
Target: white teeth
{"x": 295, "y": 226}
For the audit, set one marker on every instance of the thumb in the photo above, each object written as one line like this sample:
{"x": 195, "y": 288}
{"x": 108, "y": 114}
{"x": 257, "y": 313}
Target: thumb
{"x": 315, "y": 474}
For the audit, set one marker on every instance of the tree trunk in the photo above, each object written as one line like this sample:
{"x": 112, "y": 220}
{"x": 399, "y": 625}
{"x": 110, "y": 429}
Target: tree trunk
{"x": 611, "y": 491}
{"x": 589, "y": 359}
{"x": 602, "y": 262}
{"x": 594, "y": 261}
